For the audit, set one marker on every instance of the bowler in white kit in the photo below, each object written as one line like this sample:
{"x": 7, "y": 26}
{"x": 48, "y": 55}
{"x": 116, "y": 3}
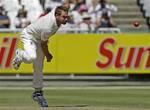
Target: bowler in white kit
{"x": 35, "y": 38}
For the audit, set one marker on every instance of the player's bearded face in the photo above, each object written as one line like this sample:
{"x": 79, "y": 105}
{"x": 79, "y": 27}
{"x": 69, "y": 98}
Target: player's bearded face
{"x": 63, "y": 18}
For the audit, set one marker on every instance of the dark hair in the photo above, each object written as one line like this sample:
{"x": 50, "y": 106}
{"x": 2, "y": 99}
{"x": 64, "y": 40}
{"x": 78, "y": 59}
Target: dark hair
{"x": 59, "y": 9}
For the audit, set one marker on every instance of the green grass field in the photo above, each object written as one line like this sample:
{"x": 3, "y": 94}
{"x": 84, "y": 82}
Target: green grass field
{"x": 78, "y": 99}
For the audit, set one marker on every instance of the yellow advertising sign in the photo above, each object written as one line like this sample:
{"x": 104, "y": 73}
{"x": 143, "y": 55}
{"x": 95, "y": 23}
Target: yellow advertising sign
{"x": 86, "y": 53}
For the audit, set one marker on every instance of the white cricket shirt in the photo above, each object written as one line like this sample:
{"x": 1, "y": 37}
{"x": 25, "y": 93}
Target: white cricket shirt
{"x": 43, "y": 28}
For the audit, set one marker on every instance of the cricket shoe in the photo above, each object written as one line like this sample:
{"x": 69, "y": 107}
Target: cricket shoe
{"x": 38, "y": 97}
{"x": 17, "y": 60}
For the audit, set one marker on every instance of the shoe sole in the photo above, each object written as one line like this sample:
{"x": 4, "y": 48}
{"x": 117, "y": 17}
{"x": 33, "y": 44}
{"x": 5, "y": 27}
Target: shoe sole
{"x": 36, "y": 100}
{"x": 15, "y": 65}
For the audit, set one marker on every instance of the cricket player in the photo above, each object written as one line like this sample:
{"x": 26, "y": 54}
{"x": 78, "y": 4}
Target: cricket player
{"x": 35, "y": 38}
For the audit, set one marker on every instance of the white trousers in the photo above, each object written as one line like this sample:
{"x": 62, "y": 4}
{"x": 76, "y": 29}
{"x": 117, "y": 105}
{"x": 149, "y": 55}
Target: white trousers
{"x": 32, "y": 53}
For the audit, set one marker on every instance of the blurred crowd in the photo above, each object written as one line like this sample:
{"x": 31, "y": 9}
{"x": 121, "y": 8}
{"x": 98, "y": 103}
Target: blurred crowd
{"x": 87, "y": 15}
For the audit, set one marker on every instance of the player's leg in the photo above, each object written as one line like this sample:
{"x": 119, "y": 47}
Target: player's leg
{"x": 38, "y": 68}
{"x": 27, "y": 55}
{"x": 38, "y": 78}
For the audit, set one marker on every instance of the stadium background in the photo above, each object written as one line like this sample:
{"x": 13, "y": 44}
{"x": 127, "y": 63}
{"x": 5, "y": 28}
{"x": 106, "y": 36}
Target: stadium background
{"x": 76, "y": 49}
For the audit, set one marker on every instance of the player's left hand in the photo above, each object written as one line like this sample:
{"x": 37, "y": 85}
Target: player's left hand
{"x": 49, "y": 57}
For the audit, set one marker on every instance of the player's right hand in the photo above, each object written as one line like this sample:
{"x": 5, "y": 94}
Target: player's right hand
{"x": 49, "y": 57}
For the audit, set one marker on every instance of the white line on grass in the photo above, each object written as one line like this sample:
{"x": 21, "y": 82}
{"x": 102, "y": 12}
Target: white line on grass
{"x": 72, "y": 88}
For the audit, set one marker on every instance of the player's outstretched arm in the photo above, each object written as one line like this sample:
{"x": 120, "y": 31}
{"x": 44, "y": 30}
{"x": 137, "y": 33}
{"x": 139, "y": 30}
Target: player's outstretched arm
{"x": 46, "y": 51}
